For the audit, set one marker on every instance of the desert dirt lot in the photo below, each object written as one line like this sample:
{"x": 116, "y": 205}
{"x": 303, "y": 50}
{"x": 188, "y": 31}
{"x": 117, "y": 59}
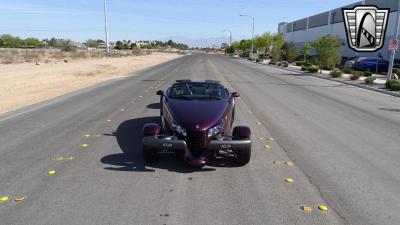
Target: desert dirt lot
{"x": 24, "y": 84}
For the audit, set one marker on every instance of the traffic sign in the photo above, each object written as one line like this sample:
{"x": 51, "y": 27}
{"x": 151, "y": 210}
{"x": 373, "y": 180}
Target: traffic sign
{"x": 393, "y": 44}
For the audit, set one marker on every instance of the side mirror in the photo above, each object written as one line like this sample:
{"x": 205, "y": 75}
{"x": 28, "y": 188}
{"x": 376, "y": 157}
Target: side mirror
{"x": 235, "y": 94}
{"x": 160, "y": 92}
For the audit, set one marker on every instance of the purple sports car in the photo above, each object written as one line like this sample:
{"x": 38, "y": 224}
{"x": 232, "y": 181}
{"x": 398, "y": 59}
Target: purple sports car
{"x": 196, "y": 123}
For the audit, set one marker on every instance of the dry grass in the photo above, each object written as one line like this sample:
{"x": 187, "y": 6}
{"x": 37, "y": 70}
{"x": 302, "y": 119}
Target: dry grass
{"x": 11, "y": 56}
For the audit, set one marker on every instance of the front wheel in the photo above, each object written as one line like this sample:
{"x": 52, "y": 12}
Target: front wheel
{"x": 243, "y": 156}
{"x": 149, "y": 154}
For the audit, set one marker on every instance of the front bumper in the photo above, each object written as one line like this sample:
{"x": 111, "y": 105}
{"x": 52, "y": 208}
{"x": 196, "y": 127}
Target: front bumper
{"x": 174, "y": 144}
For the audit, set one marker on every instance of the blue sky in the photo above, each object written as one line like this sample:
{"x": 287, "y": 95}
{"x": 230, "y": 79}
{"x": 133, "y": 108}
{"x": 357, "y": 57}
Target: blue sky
{"x": 152, "y": 19}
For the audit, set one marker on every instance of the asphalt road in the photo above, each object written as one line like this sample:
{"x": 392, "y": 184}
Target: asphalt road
{"x": 344, "y": 142}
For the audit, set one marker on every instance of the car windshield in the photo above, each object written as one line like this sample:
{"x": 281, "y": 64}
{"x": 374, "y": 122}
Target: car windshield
{"x": 198, "y": 90}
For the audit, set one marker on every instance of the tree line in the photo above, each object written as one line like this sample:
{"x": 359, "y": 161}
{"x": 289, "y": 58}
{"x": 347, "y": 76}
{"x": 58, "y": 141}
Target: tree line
{"x": 9, "y": 41}
{"x": 327, "y": 49}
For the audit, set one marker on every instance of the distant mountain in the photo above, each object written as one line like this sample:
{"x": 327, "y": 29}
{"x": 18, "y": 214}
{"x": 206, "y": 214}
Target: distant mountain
{"x": 199, "y": 42}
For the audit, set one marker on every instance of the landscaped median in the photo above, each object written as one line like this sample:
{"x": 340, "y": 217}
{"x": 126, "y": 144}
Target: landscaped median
{"x": 364, "y": 79}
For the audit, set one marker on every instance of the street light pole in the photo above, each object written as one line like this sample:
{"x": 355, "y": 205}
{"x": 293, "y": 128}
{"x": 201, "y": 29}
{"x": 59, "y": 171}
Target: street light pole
{"x": 106, "y": 25}
{"x": 393, "y": 53}
{"x": 252, "y": 34}
{"x": 230, "y": 36}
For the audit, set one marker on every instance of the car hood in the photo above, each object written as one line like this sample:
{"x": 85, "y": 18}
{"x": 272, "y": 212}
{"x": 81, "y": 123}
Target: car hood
{"x": 202, "y": 113}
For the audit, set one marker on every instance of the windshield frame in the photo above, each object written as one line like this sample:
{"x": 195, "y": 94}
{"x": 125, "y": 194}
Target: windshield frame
{"x": 193, "y": 96}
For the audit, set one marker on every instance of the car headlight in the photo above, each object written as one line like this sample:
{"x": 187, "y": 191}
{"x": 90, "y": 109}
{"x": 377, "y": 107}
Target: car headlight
{"x": 179, "y": 129}
{"x": 215, "y": 130}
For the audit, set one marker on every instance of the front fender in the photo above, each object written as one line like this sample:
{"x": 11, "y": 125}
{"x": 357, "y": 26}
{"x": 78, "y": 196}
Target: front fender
{"x": 151, "y": 129}
{"x": 240, "y": 132}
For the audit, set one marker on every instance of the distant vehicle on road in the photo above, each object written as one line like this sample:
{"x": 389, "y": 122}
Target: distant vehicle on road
{"x": 196, "y": 122}
{"x": 371, "y": 64}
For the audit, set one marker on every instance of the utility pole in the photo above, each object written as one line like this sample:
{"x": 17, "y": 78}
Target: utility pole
{"x": 106, "y": 25}
{"x": 393, "y": 53}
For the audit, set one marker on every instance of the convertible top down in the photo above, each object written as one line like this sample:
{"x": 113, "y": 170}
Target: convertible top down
{"x": 196, "y": 123}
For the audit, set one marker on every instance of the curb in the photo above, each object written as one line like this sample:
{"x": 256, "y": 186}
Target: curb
{"x": 332, "y": 79}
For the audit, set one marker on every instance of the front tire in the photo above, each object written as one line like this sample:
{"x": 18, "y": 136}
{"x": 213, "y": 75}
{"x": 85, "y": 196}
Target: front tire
{"x": 243, "y": 156}
{"x": 149, "y": 154}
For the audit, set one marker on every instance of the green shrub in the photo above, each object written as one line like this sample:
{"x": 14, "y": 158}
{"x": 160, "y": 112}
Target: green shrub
{"x": 299, "y": 63}
{"x": 367, "y": 73}
{"x": 304, "y": 68}
{"x": 313, "y": 69}
{"x": 307, "y": 64}
{"x": 278, "y": 63}
{"x": 347, "y": 70}
{"x": 336, "y": 73}
{"x": 69, "y": 48}
{"x": 355, "y": 75}
{"x": 396, "y": 71}
{"x": 271, "y": 63}
{"x": 284, "y": 64}
{"x": 393, "y": 85}
{"x": 369, "y": 80}
{"x": 259, "y": 60}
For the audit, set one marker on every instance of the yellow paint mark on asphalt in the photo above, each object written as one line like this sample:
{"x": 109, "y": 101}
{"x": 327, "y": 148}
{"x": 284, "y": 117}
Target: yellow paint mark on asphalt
{"x": 258, "y": 123}
{"x": 19, "y": 199}
{"x": 266, "y": 146}
{"x": 289, "y": 180}
{"x": 58, "y": 158}
{"x": 306, "y": 208}
{"x": 323, "y": 207}
{"x": 277, "y": 162}
{"x": 97, "y": 135}
{"x": 84, "y": 145}
{"x": 51, "y": 172}
{"x": 289, "y": 163}
{"x": 260, "y": 138}
{"x": 270, "y": 139}
{"x": 69, "y": 158}
{"x": 86, "y": 135}
{"x": 3, "y": 198}
{"x": 108, "y": 120}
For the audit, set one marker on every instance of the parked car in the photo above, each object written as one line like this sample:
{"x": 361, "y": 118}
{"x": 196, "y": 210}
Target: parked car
{"x": 196, "y": 122}
{"x": 371, "y": 64}
{"x": 350, "y": 63}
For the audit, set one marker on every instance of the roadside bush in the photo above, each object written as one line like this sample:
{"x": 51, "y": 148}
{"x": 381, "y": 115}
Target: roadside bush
{"x": 347, "y": 70}
{"x": 313, "y": 69}
{"x": 304, "y": 68}
{"x": 271, "y": 63}
{"x": 396, "y": 71}
{"x": 393, "y": 85}
{"x": 259, "y": 60}
{"x": 367, "y": 73}
{"x": 307, "y": 64}
{"x": 278, "y": 63}
{"x": 300, "y": 63}
{"x": 355, "y": 75}
{"x": 284, "y": 64}
{"x": 369, "y": 80}
{"x": 336, "y": 73}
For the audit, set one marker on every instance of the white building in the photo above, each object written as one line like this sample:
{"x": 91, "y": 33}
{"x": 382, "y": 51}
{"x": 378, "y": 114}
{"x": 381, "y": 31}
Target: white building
{"x": 331, "y": 22}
